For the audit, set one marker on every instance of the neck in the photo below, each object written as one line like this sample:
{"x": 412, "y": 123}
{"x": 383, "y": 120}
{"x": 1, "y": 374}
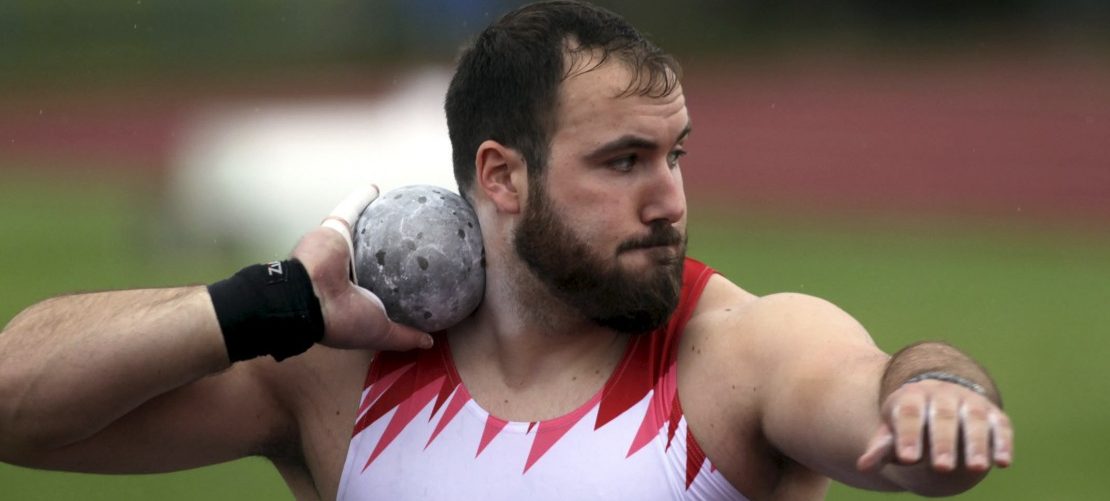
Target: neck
{"x": 527, "y": 335}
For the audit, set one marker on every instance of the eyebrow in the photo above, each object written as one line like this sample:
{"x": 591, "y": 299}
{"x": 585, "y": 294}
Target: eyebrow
{"x": 632, "y": 142}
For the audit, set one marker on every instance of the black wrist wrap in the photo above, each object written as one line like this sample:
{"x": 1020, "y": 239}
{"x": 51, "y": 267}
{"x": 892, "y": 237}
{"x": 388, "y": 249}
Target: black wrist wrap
{"x": 268, "y": 309}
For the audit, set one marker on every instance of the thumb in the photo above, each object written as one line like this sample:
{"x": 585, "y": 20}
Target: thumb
{"x": 880, "y": 450}
{"x": 385, "y": 334}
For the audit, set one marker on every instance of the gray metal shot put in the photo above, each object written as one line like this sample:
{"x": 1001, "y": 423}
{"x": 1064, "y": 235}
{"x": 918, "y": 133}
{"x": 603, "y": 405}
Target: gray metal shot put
{"x": 420, "y": 250}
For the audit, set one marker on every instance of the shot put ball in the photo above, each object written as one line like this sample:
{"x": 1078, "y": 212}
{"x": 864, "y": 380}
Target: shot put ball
{"x": 419, "y": 249}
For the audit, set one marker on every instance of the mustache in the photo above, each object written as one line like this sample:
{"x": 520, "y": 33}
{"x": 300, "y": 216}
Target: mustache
{"x": 661, "y": 234}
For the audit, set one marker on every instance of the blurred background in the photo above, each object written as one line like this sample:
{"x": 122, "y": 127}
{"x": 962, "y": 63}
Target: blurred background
{"x": 939, "y": 169}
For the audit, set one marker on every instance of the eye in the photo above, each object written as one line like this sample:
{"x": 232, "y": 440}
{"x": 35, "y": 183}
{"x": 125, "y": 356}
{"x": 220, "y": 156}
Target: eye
{"x": 623, "y": 164}
{"x": 672, "y": 158}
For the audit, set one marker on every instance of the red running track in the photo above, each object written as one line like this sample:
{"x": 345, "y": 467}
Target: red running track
{"x": 1010, "y": 138}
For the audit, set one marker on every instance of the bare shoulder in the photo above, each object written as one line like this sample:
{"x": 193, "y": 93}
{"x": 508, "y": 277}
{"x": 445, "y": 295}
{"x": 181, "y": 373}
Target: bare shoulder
{"x": 320, "y": 391}
{"x": 738, "y": 339}
{"x": 738, "y": 353}
{"x": 762, "y": 325}
{"x": 766, "y": 341}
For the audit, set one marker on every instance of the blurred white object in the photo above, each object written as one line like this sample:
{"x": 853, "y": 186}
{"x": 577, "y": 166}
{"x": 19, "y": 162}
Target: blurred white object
{"x": 259, "y": 176}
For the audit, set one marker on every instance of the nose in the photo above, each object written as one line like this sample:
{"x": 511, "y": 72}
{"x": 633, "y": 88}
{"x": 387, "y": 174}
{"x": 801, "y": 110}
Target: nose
{"x": 664, "y": 197}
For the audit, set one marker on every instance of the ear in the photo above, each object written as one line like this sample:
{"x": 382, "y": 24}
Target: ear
{"x": 502, "y": 175}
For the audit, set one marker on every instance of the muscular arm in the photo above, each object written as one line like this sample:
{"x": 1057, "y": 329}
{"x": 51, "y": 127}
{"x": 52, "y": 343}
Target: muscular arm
{"x": 819, "y": 376}
{"x": 71, "y": 365}
{"x": 135, "y": 381}
{"x": 824, "y": 386}
{"x": 128, "y": 381}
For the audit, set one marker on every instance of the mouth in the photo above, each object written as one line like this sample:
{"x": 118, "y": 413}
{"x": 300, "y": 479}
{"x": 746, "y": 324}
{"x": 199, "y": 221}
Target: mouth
{"x": 665, "y": 241}
{"x": 653, "y": 247}
{"x": 663, "y": 245}
{"x": 661, "y": 254}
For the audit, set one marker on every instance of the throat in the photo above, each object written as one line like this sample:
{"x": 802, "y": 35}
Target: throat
{"x": 539, "y": 382}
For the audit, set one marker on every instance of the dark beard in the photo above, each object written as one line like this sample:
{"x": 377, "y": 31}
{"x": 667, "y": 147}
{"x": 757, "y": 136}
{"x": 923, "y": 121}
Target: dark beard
{"x": 601, "y": 291}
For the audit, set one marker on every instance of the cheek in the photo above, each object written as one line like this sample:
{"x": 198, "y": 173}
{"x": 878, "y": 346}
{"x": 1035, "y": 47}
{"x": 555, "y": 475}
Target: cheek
{"x": 586, "y": 201}
{"x": 600, "y": 211}
{"x": 593, "y": 218}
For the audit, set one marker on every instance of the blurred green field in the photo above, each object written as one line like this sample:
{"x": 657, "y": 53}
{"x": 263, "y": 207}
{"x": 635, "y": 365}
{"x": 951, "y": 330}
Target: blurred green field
{"x": 1033, "y": 306}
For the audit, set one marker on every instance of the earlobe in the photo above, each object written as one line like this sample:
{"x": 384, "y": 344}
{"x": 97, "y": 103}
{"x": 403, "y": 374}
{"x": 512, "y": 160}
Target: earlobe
{"x": 501, "y": 175}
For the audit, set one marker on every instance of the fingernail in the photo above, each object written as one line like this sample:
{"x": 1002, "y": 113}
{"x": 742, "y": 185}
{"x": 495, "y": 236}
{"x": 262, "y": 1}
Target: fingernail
{"x": 427, "y": 342}
{"x": 944, "y": 461}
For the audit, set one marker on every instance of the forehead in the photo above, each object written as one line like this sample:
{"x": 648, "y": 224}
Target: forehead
{"x": 594, "y": 106}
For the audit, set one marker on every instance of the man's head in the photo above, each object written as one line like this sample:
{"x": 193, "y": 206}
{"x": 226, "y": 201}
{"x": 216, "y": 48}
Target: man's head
{"x": 506, "y": 85}
{"x": 567, "y": 125}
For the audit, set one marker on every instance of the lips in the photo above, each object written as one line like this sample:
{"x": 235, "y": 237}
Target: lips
{"x": 666, "y": 246}
{"x": 661, "y": 255}
{"x": 662, "y": 236}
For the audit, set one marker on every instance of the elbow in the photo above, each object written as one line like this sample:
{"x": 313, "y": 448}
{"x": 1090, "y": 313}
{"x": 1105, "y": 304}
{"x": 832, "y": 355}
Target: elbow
{"x": 25, "y": 425}
{"x": 16, "y": 433}
{"x": 10, "y": 396}
{"x": 36, "y": 410}
{"x": 23, "y": 437}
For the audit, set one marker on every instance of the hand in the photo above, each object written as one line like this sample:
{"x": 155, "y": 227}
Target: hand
{"x": 353, "y": 316}
{"x": 929, "y": 418}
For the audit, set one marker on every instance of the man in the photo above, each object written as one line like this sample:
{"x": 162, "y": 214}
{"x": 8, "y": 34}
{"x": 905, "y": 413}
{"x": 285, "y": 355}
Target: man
{"x": 601, "y": 363}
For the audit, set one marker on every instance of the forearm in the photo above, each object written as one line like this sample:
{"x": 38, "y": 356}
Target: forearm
{"x": 71, "y": 365}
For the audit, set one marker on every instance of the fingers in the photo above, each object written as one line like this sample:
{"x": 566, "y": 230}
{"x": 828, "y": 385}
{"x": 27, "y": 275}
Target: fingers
{"x": 944, "y": 430}
{"x": 943, "y": 423}
{"x": 908, "y": 423}
{"x": 401, "y": 337}
{"x": 976, "y": 435}
{"x": 344, "y": 217}
{"x": 1002, "y": 436}
{"x": 385, "y": 334}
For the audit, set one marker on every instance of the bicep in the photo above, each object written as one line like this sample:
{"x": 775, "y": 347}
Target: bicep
{"x": 218, "y": 418}
{"x": 820, "y": 399}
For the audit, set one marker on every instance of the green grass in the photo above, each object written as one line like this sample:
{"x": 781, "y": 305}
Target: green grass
{"x": 1032, "y": 306}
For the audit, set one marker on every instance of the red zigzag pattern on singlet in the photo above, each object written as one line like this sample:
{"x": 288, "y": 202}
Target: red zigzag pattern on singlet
{"x": 408, "y": 381}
